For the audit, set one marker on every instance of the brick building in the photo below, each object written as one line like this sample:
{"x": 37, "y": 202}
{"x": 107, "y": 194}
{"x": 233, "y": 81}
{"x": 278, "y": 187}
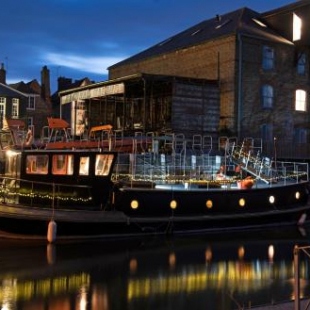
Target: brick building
{"x": 25, "y": 104}
{"x": 261, "y": 63}
{"x": 262, "y": 66}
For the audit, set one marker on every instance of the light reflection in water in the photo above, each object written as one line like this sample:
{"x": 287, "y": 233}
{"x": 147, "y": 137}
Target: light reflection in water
{"x": 135, "y": 278}
{"x": 271, "y": 252}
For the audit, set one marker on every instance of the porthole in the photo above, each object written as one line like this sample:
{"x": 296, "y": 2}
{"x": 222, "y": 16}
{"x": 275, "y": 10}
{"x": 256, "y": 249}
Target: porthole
{"x": 173, "y": 204}
{"x": 241, "y": 202}
{"x": 134, "y": 204}
{"x": 272, "y": 199}
{"x": 209, "y": 204}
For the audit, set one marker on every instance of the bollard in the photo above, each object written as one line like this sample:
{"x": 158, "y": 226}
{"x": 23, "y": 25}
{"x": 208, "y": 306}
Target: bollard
{"x": 51, "y": 231}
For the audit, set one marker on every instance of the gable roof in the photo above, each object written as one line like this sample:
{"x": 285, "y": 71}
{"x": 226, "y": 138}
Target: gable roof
{"x": 32, "y": 87}
{"x": 7, "y": 91}
{"x": 282, "y": 20}
{"x": 243, "y": 21}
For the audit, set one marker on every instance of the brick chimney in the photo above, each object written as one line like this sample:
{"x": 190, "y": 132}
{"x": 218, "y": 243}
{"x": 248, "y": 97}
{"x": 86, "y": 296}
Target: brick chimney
{"x": 64, "y": 83}
{"x": 45, "y": 84}
{"x": 2, "y": 74}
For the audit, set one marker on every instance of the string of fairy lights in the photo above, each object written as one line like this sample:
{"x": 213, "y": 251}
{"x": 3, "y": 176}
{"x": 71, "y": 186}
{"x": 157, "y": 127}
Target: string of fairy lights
{"x": 8, "y": 192}
{"x": 257, "y": 167}
{"x": 183, "y": 179}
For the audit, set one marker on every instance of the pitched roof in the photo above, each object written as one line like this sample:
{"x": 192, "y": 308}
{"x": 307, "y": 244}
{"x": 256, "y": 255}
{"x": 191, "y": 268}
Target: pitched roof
{"x": 243, "y": 21}
{"x": 289, "y": 8}
{"x": 8, "y": 91}
{"x": 282, "y": 20}
{"x": 32, "y": 87}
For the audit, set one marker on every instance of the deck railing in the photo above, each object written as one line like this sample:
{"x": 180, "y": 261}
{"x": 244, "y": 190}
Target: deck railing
{"x": 192, "y": 168}
{"x": 44, "y": 194}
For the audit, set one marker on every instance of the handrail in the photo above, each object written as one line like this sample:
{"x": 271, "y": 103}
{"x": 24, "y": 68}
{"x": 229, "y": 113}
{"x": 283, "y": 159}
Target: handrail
{"x": 10, "y": 189}
{"x": 159, "y": 167}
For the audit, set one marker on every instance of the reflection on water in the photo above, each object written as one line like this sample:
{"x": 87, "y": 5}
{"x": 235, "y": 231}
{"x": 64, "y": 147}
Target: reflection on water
{"x": 230, "y": 271}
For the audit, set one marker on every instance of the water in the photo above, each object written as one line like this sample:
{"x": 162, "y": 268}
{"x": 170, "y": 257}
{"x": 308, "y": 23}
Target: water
{"x": 227, "y": 271}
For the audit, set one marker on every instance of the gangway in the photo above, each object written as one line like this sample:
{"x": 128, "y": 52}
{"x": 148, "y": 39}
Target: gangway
{"x": 253, "y": 164}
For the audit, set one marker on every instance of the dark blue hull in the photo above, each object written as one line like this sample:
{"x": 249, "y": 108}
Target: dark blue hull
{"x": 144, "y": 211}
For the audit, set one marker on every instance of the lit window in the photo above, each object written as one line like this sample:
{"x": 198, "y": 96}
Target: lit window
{"x": 84, "y": 166}
{"x": 195, "y": 32}
{"x": 223, "y": 24}
{"x": 164, "y": 42}
{"x": 36, "y": 164}
{"x": 297, "y": 25}
{"x": 300, "y": 100}
{"x": 301, "y": 63}
{"x": 62, "y": 164}
{"x": 259, "y": 22}
{"x": 267, "y": 96}
{"x": 268, "y": 58}
{"x": 15, "y": 108}
{"x": 103, "y": 164}
{"x": 2, "y": 106}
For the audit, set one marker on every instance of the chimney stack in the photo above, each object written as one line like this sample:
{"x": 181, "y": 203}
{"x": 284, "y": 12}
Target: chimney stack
{"x": 45, "y": 84}
{"x": 2, "y": 74}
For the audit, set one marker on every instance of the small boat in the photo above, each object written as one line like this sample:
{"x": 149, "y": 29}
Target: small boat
{"x": 87, "y": 193}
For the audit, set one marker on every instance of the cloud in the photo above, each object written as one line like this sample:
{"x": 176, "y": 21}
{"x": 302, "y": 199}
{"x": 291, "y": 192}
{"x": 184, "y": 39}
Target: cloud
{"x": 97, "y": 65}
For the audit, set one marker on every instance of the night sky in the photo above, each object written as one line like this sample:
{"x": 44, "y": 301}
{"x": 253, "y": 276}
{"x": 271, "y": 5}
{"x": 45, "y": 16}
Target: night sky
{"x": 82, "y": 38}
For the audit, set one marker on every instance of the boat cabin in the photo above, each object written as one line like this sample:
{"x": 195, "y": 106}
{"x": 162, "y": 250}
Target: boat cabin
{"x": 68, "y": 178}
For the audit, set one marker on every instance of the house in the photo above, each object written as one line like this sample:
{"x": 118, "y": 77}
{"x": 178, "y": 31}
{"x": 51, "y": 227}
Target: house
{"x": 11, "y": 104}
{"x": 26, "y": 103}
{"x": 259, "y": 60}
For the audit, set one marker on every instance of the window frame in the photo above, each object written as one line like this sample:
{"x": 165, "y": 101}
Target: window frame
{"x": 267, "y": 96}
{"x": 301, "y": 65}
{"x": 300, "y": 101}
{"x": 268, "y": 61}
{"x": 31, "y": 105}
{"x": 15, "y": 108}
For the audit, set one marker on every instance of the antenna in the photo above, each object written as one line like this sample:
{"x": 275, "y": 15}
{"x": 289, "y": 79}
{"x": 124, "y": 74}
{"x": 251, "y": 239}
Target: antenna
{"x": 7, "y": 63}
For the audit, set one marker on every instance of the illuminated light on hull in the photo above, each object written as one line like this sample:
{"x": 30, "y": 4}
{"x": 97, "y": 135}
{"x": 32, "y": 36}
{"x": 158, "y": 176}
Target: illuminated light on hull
{"x": 173, "y": 204}
{"x": 241, "y": 202}
{"x": 134, "y": 204}
{"x": 209, "y": 204}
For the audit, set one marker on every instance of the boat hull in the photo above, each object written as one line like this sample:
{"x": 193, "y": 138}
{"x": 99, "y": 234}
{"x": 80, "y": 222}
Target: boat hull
{"x": 179, "y": 200}
{"x": 157, "y": 215}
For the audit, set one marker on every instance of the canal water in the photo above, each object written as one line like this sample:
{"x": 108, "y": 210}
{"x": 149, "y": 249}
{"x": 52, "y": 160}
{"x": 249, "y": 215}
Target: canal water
{"x": 215, "y": 271}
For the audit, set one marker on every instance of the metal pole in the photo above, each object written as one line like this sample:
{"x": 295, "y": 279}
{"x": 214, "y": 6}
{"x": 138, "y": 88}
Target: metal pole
{"x": 296, "y": 278}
